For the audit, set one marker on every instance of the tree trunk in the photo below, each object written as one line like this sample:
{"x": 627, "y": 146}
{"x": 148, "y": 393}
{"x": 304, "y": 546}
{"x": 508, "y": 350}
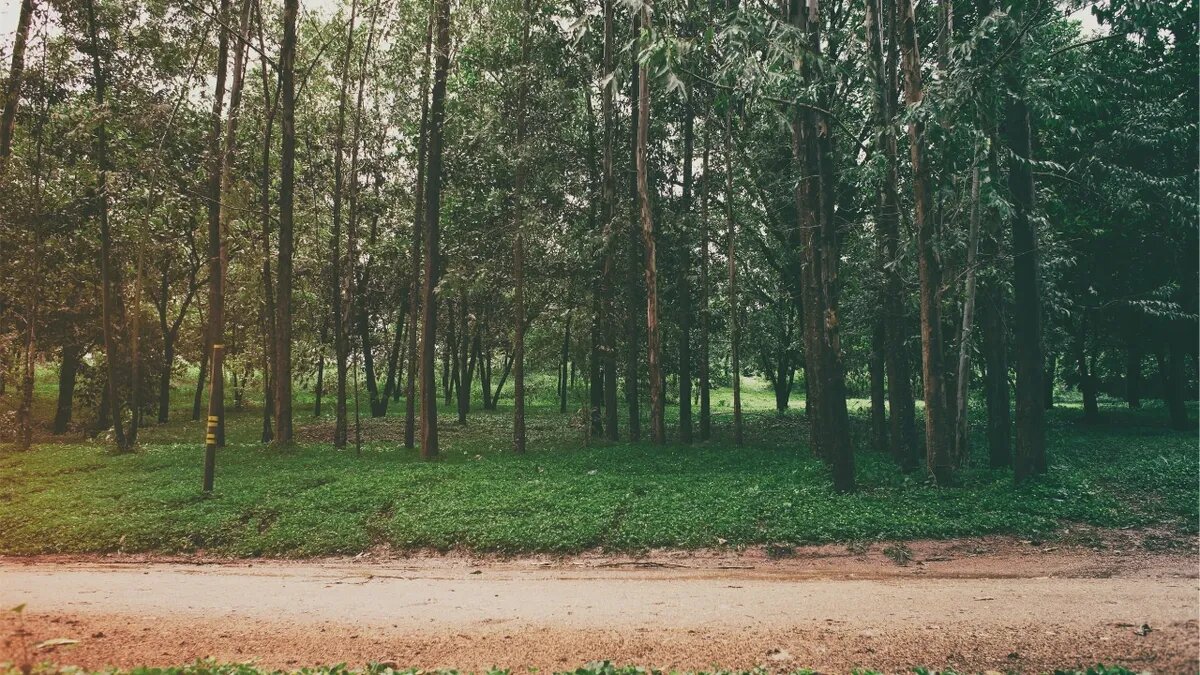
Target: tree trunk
{"x": 876, "y": 368}
{"x": 287, "y": 182}
{"x": 267, "y": 318}
{"x": 67, "y": 371}
{"x": 519, "y": 241}
{"x": 938, "y": 442}
{"x": 112, "y": 310}
{"x": 658, "y": 433}
{"x": 995, "y": 361}
{"x": 705, "y": 312}
{"x": 735, "y": 328}
{"x": 337, "y": 286}
{"x": 1030, "y": 457}
{"x": 566, "y": 355}
{"x": 12, "y": 94}
{"x": 902, "y": 430}
{"x": 433, "y": 194}
{"x": 963, "y": 377}
{"x": 1133, "y": 372}
{"x": 1048, "y": 383}
{"x": 684, "y": 280}
{"x": 607, "y": 332}
{"x": 633, "y": 290}
{"x": 415, "y": 288}
{"x": 1175, "y": 377}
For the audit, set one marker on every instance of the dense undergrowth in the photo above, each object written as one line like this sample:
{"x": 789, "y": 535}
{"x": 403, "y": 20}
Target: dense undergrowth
{"x": 566, "y": 494}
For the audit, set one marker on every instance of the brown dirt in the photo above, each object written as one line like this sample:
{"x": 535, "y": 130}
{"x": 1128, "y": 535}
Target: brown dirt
{"x": 977, "y": 604}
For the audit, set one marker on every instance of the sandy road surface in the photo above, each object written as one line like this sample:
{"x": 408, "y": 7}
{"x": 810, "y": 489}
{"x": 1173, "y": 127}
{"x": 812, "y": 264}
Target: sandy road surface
{"x": 998, "y": 606}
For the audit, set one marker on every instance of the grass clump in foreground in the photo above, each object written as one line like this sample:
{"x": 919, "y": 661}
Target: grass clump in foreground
{"x": 565, "y": 494}
{"x": 596, "y": 668}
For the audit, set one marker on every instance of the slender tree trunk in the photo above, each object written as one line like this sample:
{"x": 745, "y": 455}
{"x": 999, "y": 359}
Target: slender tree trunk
{"x": 519, "y": 241}
{"x": 735, "y": 321}
{"x": 12, "y": 93}
{"x": 875, "y": 368}
{"x": 1174, "y": 377}
{"x": 1133, "y": 365}
{"x": 433, "y": 194}
{"x": 112, "y": 313}
{"x": 34, "y": 281}
{"x": 902, "y": 430}
{"x": 202, "y": 376}
{"x": 684, "y": 281}
{"x": 1030, "y": 457}
{"x": 1048, "y": 382}
{"x": 337, "y": 286}
{"x": 963, "y": 378}
{"x": 267, "y": 319}
{"x": 705, "y": 312}
{"x": 995, "y": 360}
{"x": 287, "y": 182}
{"x": 67, "y": 371}
{"x": 633, "y": 290}
{"x": 566, "y": 355}
{"x": 607, "y": 332}
{"x": 938, "y": 441}
{"x": 658, "y": 432}
{"x": 415, "y": 288}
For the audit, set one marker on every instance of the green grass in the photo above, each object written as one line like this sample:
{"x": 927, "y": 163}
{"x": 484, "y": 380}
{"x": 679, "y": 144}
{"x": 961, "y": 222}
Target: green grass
{"x": 565, "y": 495}
{"x": 597, "y": 668}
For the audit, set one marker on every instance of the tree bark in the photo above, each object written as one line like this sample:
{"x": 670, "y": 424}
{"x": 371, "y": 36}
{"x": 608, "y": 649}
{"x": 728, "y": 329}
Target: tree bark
{"x": 432, "y": 241}
{"x": 519, "y": 241}
{"x": 963, "y": 377}
{"x": 415, "y": 288}
{"x": 12, "y": 94}
{"x": 658, "y": 433}
{"x": 633, "y": 289}
{"x": 684, "y": 279}
{"x": 902, "y": 430}
{"x": 287, "y": 182}
{"x": 735, "y": 328}
{"x": 705, "y": 311}
{"x": 67, "y": 371}
{"x": 607, "y": 332}
{"x": 938, "y": 442}
{"x": 1030, "y": 457}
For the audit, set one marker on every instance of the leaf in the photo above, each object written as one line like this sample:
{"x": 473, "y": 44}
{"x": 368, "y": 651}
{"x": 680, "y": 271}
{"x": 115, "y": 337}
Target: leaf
{"x": 54, "y": 642}
{"x": 18, "y": 609}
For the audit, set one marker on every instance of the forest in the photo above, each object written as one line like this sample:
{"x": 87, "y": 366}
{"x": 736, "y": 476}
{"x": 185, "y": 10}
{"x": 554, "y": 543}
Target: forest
{"x": 906, "y": 219}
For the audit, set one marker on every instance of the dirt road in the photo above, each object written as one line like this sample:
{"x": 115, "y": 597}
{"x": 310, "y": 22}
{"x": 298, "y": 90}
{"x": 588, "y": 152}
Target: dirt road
{"x": 978, "y": 605}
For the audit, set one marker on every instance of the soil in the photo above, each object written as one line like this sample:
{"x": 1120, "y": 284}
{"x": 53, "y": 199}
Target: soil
{"x": 972, "y": 604}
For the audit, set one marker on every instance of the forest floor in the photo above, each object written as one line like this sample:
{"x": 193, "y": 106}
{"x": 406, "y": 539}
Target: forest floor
{"x": 70, "y": 494}
{"x": 977, "y": 604}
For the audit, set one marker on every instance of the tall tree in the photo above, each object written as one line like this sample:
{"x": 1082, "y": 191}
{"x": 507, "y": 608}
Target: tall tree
{"x": 937, "y": 438}
{"x": 658, "y": 431}
{"x": 519, "y": 215}
{"x": 12, "y": 93}
{"x": 433, "y": 195}
{"x": 287, "y": 191}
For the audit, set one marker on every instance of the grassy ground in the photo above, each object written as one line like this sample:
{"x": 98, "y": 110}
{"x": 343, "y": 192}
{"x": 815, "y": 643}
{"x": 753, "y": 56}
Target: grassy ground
{"x": 72, "y": 496}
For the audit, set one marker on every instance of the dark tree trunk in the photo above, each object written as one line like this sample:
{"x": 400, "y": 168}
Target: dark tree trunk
{"x": 658, "y": 432}
{"x": 418, "y": 233}
{"x": 684, "y": 281}
{"x": 875, "y": 366}
{"x": 1175, "y": 378}
{"x": 1133, "y": 373}
{"x": 67, "y": 372}
{"x": 902, "y": 429}
{"x": 287, "y": 182}
{"x": 705, "y": 312}
{"x": 12, "y": 93}
{"x": 995, "y": 362}
{"x": 634, "y": 299}
{"x": 1048, "y": 382}
{"x": 432, "y": 241}
{"x": 519, "y": 242}
{"x": 1029, "y": 458}
{"x": 735, "y": 329}
{"x": 607, "y": 379}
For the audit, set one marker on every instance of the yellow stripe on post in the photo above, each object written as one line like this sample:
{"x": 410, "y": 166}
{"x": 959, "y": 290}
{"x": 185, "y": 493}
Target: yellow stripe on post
{"x": 211, "y": 438}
